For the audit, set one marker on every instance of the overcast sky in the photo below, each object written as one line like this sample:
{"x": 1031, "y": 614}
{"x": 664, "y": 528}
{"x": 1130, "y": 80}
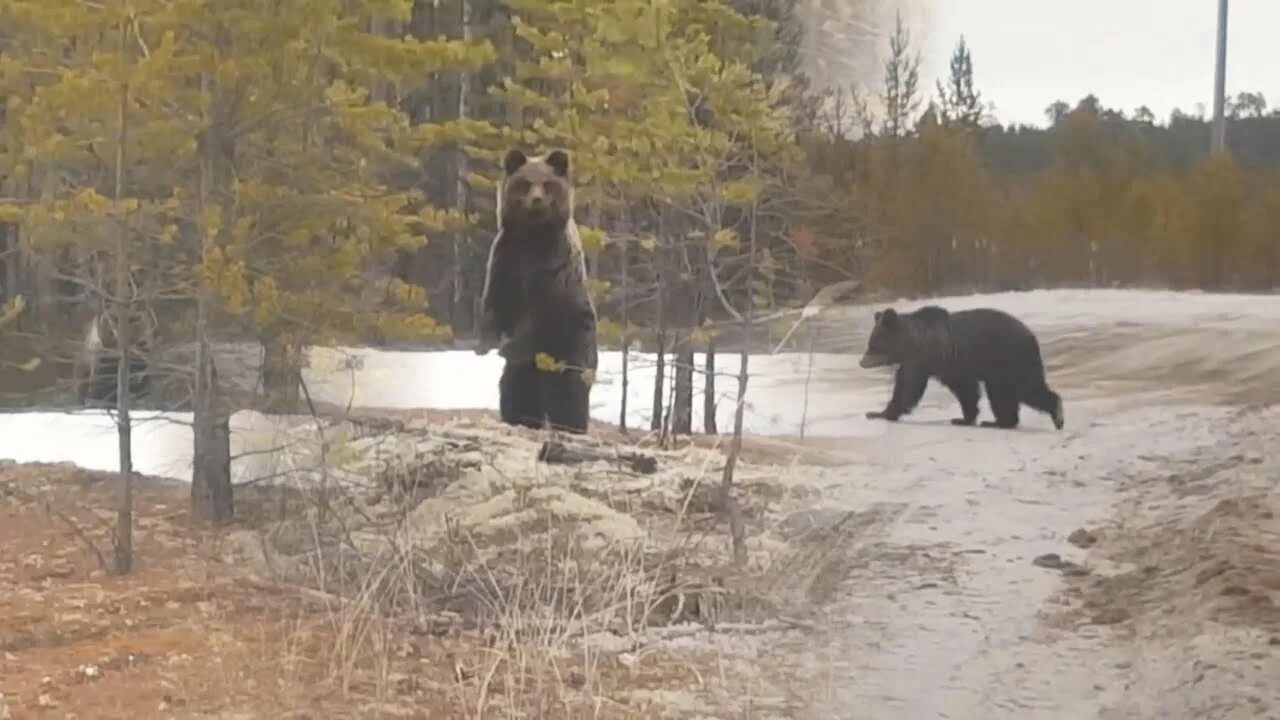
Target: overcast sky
{"x": 1158, "y": 53}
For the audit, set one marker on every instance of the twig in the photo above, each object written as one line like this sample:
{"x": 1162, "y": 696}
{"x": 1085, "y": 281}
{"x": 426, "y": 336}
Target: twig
{"x": 664, "y": 634}
{"x": 808, "y": 376}
{"x": 821, "y": 300}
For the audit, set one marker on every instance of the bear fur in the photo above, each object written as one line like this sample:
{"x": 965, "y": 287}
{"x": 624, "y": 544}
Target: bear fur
{"x": 98, "y": 359}
{"x": 536, "y": 298}
{"x": 962, "y": 349}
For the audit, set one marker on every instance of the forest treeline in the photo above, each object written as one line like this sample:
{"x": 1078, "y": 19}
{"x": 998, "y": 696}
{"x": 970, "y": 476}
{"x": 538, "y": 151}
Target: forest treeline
{"x": 325, "y": 172}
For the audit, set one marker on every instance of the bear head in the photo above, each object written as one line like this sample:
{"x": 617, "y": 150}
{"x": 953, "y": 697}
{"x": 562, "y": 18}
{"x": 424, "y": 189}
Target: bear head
{"x": 888, "y": 343}
{"x": 536, "y": 191}
{"x": 102, "y": 331}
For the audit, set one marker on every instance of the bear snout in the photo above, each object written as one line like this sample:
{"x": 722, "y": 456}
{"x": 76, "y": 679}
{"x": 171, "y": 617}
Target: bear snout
{"x": 536, "y": 207}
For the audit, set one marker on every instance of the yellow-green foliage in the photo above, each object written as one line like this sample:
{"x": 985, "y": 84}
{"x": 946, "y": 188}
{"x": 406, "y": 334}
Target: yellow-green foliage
{"x": 614, "y": 81}
{"x": 292, "y": 176}
{"x": 659, "y": 107}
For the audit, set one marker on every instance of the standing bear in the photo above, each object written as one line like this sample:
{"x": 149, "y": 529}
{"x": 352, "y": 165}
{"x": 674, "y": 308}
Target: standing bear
{"x": 98, "y": 359}
{"x": 536, "y": 303}
{"x": 962, "y": 349}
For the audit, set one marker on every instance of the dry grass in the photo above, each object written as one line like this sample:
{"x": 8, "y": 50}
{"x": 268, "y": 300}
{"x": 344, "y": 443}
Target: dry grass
{"x": 326, "y": 606}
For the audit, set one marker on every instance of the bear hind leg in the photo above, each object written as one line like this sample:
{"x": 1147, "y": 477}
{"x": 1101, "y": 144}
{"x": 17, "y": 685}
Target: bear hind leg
{"x": 100, "y": 387}
{"x": 520, "y": 395}
{"x": 967, "y": 393}
{"x": 1003, "y": 397}
{"x": 1047, "y": 402}
{"x": 567, "y": 399}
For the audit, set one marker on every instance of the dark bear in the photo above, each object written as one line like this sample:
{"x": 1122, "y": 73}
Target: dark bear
{"x": 536, "y": 300}
{"x": 98, "y": 360}
{"x": 962, "y": 349}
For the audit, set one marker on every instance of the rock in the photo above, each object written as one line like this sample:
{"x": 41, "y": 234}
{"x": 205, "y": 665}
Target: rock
{"x": 1049, "y": 560}
{"x": 1211, "y": 572}
{"x": 1052, "y": 561}
{"x": 1082, "y": 539}
{"x": 1110, "y": 616}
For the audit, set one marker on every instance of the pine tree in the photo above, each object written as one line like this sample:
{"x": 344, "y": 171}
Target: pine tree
{"x": 259, "y": 164}
{"x": 960, "y": 101}
{"x": 901, "y": 82}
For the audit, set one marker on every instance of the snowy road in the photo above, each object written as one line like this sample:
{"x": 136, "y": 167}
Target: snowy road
{"x": 935, "y": 608}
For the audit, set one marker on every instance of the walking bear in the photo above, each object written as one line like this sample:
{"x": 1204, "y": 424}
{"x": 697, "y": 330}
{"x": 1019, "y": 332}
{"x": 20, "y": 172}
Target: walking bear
{"x": 962, "y": 349}
{"x": 536, "y": 304}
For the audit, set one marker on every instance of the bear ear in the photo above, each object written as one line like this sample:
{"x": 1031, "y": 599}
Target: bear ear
{"x": 879, "y": 314}
{"x": 559, "y": 161}
{"x": 888, "y": 317}
{"x": 514, "y": 161}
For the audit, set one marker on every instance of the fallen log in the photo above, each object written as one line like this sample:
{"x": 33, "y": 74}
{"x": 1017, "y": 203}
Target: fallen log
{"x": 554, "y": 452}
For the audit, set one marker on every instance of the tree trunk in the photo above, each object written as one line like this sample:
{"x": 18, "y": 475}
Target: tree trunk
{"x": 124, "y": 336}
{"x": 459, "y": 307}
{"x": 737, "y": 527}
{"x": 12, "y": 258}
{"x": 211, "y": 492}
{"x": 660, "y": 370}
{"x": 626, "y": 334}
{"x": 737, "y": 530}
{"x": 709, "y": 390}
{"x": 682, "y": 412}
{"x": 688, "y": 312}
{"x": 43, "y": 288}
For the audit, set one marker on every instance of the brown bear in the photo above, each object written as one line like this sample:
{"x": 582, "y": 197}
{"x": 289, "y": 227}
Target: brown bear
{"x": 536, "y": 299}
{"x": 962, "y": 349}
{"x": 98, "y": 359}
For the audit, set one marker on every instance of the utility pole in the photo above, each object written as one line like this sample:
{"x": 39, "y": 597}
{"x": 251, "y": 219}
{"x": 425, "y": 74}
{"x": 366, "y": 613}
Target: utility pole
{"x": 1219, "y": 130}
